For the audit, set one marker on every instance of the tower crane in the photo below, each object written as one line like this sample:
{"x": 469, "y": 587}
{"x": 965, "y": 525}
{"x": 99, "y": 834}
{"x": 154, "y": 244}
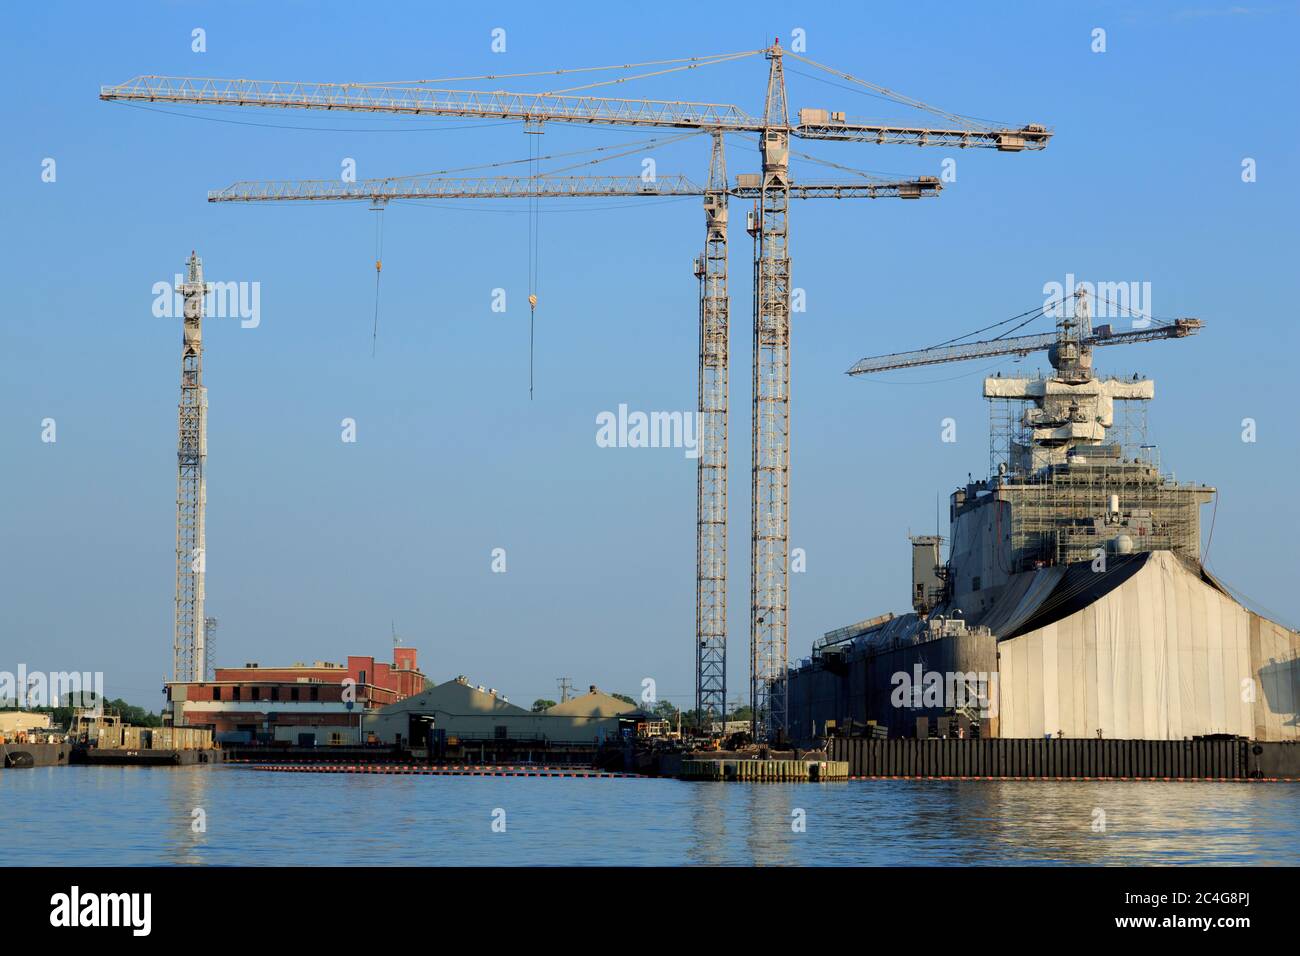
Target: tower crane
{"x": 1069, "y": 348}
{"x": 710, "y": 269}
{"x": 769, "y": 516}
{"x": 189, "y": 631}
{"x": 1067, "y": 411}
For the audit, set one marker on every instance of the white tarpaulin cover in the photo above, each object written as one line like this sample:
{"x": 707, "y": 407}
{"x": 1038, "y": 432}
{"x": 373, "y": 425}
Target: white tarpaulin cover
{"x": 1021, "y": 600}
{"x": 1161, "y": 656}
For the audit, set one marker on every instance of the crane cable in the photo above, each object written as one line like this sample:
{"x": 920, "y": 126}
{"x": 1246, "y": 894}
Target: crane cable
{"x": 580, "y": 69}
{"x": 534, "y": 262}
{"x": 641, "y": 76}
{"x": 377, "y": 207}
{"x": 894, "y": 95}
{"x": 631, "y": 146}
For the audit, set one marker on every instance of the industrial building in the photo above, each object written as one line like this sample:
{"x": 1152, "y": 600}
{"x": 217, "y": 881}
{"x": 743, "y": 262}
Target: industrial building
{"x": 456, "y": 713}
{"x": 15, "y": 722}
{"x": 302, "y": 704}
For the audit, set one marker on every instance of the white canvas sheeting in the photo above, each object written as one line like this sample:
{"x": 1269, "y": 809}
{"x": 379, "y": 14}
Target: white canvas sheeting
{"x": 1162, "y": 656}
{"x": 1023, "y": 596}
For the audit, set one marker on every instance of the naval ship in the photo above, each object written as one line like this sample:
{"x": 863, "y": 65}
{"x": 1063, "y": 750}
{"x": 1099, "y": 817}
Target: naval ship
{"x": 1072, "y": 601}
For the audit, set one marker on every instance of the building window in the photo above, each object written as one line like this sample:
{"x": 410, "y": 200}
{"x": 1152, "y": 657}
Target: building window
{"x": 234, "y": 693}
{"x": 293, "y": 693}
{"x": 275, "y": 693}
{"x": 500, "y": 732}
{"x": 216, "y": 693}
{"x": 975, "y": 583}
{"x": 315, "y": 693}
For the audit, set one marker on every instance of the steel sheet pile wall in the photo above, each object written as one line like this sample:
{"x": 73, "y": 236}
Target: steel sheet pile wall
{"x": 1063, "y": 758}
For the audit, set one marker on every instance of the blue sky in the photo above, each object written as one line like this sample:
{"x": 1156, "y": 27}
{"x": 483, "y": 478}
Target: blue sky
{"x": 315, "y": 546}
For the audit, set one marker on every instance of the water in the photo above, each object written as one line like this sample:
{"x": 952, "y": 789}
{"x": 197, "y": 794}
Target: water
{"x": 139, "y": 816}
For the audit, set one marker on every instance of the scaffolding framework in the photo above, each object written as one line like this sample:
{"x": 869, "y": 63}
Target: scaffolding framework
{"x": 1065, "y": 514}
{"x": 1008, "y": 431}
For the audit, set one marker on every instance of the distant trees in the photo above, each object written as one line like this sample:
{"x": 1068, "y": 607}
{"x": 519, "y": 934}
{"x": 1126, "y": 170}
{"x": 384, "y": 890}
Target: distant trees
{"x": 136, "y": 716}
{"x": 541, "y": 704}
{"x": 664, "y": 711}
{"x": 62, "y": 716}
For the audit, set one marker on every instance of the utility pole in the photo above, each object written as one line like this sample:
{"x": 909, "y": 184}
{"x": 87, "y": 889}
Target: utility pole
{"x": 209, "y": 647}
{"x": 566, "y": 687}
{"x": 188, "y": 638}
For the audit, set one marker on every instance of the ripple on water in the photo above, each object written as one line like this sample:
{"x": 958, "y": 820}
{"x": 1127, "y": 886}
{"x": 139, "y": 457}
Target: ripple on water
{"x": 138, "y": 816}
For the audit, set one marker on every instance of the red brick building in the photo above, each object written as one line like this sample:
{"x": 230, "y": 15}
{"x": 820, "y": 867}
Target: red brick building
{"x": 305, "y": 704}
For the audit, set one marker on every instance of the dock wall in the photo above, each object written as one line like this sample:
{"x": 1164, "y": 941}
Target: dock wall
{"x": 1068, "y": 758}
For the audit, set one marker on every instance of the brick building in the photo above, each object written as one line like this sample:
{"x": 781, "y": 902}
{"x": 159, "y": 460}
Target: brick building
{"x": 301, "y": 704}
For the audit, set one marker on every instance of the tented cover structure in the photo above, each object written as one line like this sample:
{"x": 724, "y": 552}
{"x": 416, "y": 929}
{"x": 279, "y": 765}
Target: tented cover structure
{"x": 1155, "y": 652}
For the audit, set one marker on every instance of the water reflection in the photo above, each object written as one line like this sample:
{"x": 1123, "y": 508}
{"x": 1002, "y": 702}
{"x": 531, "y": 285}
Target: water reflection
{"x": 122, "y": 815}
{"x": 187, "y": 815}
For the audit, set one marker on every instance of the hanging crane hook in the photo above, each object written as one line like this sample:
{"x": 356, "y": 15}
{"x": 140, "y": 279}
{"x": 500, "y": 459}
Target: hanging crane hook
{"x": 377, "y": 205}
{"x": 532, "y": 318}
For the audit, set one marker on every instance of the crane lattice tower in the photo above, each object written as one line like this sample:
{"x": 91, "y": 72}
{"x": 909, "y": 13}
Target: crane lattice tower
{"x": 189, "y": 658}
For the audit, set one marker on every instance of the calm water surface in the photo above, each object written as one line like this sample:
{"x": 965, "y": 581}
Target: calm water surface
{"x": 140, "y": 816}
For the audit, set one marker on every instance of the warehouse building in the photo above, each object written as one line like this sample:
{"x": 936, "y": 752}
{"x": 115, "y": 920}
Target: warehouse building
{"x": 457, "y": 713}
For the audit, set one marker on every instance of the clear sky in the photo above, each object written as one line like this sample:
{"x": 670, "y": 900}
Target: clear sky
{"x": 315, "y": 545}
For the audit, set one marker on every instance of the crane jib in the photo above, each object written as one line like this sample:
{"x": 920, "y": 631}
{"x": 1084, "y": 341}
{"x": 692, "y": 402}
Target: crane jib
{"x": 549, "y": 107}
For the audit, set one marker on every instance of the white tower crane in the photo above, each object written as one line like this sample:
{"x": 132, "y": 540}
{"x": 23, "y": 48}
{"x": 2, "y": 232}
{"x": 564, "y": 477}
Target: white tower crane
{"x": 189, "y": 658}
{"x": 769, "y": 522}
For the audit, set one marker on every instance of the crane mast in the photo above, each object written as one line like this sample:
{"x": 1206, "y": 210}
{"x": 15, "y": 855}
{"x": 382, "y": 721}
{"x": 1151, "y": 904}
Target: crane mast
{"x": 189, "y": 658}
{"x": 711, "y": 469}
{"x": 770, "y": 443}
